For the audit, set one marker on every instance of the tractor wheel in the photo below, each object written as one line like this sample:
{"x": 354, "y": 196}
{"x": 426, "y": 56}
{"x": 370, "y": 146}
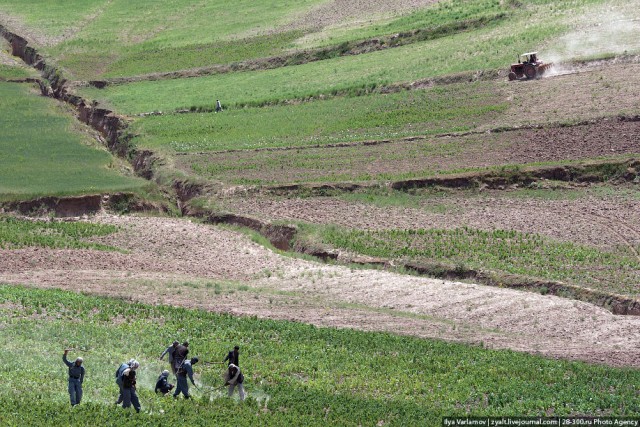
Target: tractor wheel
{"x": 530, "y": 71}
{"x": 512, "y": 76}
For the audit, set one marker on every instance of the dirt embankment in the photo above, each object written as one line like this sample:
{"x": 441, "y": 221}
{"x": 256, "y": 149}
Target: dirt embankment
{"x": 177, "y": 262}
{"x": 588, "y": 222}
{"x": 76, "y": 206}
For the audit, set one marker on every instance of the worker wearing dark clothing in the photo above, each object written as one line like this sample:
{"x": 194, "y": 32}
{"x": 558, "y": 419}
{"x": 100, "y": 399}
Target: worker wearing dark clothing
{"x": 171, "y": 352}
{"x": 76, "y": 377}
{"x": 233, "y": 357}
{"x": 129, "y": 390}
{"x": 123, "y": 371}
{"x": 180, "y": 355}
{"x": 162, "y": 385}
{"x": 186, "y": 370}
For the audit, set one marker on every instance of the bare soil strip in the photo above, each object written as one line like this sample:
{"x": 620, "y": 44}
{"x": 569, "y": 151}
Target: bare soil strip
{"x": 171, "y": 261}
{"x": 608, "y": 138}
{"x": 595, "y": 221}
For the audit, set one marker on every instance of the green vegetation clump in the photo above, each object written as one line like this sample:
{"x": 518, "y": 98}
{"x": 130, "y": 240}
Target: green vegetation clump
{"x": 294, "y": 373}
{"x": 507, "y": 251}
{"x": 19, "y": 233}
{"x": 43, "y": 154}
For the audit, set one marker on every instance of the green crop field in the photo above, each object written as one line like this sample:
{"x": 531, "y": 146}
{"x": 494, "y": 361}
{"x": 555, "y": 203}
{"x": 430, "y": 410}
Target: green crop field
{"x": 43, "y": 153}
{"x": 295, "y": 374}
{"x": 16, "y": 233}
{"x": 133, "y": 38}
{"x": 343, "y": 74}
{"x": 321, "y": 91}
{"x": 436, "y": 18}
{"x": 371, "y": 163}
{"x": 507, "y": 251}
{"x": 435, "y": 110}
{"x": 118, "y": 38}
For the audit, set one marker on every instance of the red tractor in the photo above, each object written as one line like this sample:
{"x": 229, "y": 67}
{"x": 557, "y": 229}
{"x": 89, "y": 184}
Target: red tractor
{"x": 528, "y": 66}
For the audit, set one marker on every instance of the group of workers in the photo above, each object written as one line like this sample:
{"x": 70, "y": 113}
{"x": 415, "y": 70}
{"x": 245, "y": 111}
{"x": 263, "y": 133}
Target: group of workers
{"x": 181, "y": 366}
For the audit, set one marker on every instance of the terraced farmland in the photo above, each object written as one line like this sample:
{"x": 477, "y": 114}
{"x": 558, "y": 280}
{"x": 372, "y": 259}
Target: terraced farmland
{"x": 418, "y": 200}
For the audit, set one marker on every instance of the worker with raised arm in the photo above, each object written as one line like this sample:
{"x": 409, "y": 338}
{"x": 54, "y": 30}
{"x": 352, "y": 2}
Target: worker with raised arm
{"x": 76, "y": 378}
{"x": 129, "y": 394}
{"x": 186, "y": 370}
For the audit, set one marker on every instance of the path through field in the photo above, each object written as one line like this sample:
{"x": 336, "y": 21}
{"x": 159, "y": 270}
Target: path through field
{"x": 177, "y": 262}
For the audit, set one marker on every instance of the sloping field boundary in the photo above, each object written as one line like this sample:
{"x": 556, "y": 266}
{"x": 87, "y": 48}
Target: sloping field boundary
{"x": 312, "y": 55}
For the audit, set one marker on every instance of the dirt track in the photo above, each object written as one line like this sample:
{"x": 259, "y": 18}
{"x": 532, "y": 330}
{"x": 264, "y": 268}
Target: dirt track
{"x": 177, "y": 262}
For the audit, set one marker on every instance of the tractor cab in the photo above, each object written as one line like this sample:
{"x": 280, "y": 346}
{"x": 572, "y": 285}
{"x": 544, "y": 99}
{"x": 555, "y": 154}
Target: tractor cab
{"x": 528, "y": 58}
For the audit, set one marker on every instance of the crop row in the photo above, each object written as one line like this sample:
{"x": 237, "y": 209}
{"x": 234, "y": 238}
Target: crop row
{"x": 295, "y": 373}
{"x": 497, "y": 250}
